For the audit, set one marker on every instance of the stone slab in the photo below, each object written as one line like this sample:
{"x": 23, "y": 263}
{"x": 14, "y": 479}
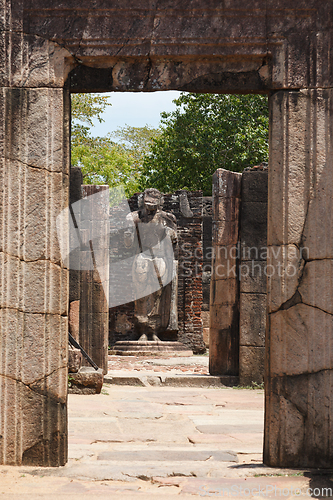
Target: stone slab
{"x": 176, "y": 381}
{"x": 188, "y": 361}
{"x": 74, "y": 359}
{"x": 147, "y": 347}
{"x": 240, "y": 443}
{"x": 228, "y": 429}
{"x": 123, "y": 380}
{"x": 254, "y": 225}
{"x": 253, "y": 278}
{"x": 85, "y": 381}
{"x": 252, "y": 321}
{"x": 168, "y": 456}
{"x": 255, "y": 186}
{"x": 74, "y": 319}
{"x": 269, "y": 487}
{"x": 251, "y": 365}
{"x": 144, "y": 352}
{"x": 201, "y": 381}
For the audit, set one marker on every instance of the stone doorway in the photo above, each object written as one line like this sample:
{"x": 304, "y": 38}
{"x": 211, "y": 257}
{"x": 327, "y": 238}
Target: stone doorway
{"x": 50, "y": 50}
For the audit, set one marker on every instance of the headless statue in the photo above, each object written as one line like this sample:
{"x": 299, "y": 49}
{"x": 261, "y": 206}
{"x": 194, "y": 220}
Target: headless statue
{"x": 154, "y": 269}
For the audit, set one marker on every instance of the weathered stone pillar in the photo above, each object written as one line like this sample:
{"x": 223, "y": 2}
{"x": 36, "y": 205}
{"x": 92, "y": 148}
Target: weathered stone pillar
{"x": 94, "y": 285}
{"x": 75, "y": 195}
{"x": 224, "y": 296}
{"x": 34, "y": 156}
{"x": 252, "y": 273}
{"x": 34, "y": 163}
{"x": 206, "y": 265}
{"x": 299, "y": 356}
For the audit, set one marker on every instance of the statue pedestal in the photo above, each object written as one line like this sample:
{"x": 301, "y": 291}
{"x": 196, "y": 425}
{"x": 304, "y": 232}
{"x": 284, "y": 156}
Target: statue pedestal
{"x": 150, "y": 348}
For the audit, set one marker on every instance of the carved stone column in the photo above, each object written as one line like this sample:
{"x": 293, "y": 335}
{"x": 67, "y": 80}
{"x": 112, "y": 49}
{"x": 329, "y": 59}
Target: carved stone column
{"x": 299, "y": 341}
{"x": 34, "y": 161}
{"x": 34, "y": 284}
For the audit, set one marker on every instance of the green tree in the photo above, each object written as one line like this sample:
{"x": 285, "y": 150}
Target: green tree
{"x": 206, "y": 132}
{"x": 137, "y": 141}
{"x": 104, "y": 160}
{"x": 86, "y": 107}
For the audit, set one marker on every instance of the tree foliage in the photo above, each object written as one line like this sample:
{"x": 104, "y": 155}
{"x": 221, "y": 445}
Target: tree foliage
{"x": 115, "y": 159}
{"x": 138, "y": 139}
{"x": 137, "y": 142}
{"x": 206, "y": 132}
{"x": 104, "y": 162}
{"x": 86, "y": 107}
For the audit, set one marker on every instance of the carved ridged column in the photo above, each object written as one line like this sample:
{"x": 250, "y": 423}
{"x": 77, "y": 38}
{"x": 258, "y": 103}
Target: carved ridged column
{"x": 34, "y": 160}
{"x": 34, "y": 284}
{"x": 299, "y": 341}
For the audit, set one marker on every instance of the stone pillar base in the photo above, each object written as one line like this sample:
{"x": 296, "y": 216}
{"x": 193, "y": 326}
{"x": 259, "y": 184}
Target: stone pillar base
{"x": 86, "y": 381}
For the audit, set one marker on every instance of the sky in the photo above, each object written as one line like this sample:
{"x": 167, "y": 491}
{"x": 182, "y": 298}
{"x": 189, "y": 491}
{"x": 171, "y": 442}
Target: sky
{"x": 136, "y": 109}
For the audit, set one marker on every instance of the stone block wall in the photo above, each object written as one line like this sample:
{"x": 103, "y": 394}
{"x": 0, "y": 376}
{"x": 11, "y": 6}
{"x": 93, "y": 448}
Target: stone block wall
{"x": 252, "y": 275}
{"x": 43, "y": 56}
{"x": 299, "y": 361}
{"x": 238, "y": 285}
{"x": 187, "y": 208}
{"x": 75, "y": 195}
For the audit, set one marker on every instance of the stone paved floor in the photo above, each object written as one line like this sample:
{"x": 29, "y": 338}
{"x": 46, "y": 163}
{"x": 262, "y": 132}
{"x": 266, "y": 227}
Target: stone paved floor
{"x": 193, "y": 365}
{"x": 153, "y": 443}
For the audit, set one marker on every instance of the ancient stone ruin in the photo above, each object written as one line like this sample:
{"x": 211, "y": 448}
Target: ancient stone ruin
{"x": 88, "y": 283}
{"x": 243, "y": 290}
{"x": 186, "y": 208}
{"x": 206, "y": 265}
{"x": 238, "y": 299}
{"x": 151, "y": 234}
{"x": 50, "y": 49}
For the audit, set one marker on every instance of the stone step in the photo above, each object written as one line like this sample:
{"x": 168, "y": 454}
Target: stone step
{"x": 149, "y": 347}
{"x": 171, "y": 381}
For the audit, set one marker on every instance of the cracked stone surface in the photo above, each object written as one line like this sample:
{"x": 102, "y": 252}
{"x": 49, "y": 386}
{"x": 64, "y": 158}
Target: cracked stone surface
{"x": 285, "y": 271}
{"x": 120, "y": 445}
{"x": 299, "y": 362}
{"x": 33, "y": 283}
{"x": 128, "y": 432}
